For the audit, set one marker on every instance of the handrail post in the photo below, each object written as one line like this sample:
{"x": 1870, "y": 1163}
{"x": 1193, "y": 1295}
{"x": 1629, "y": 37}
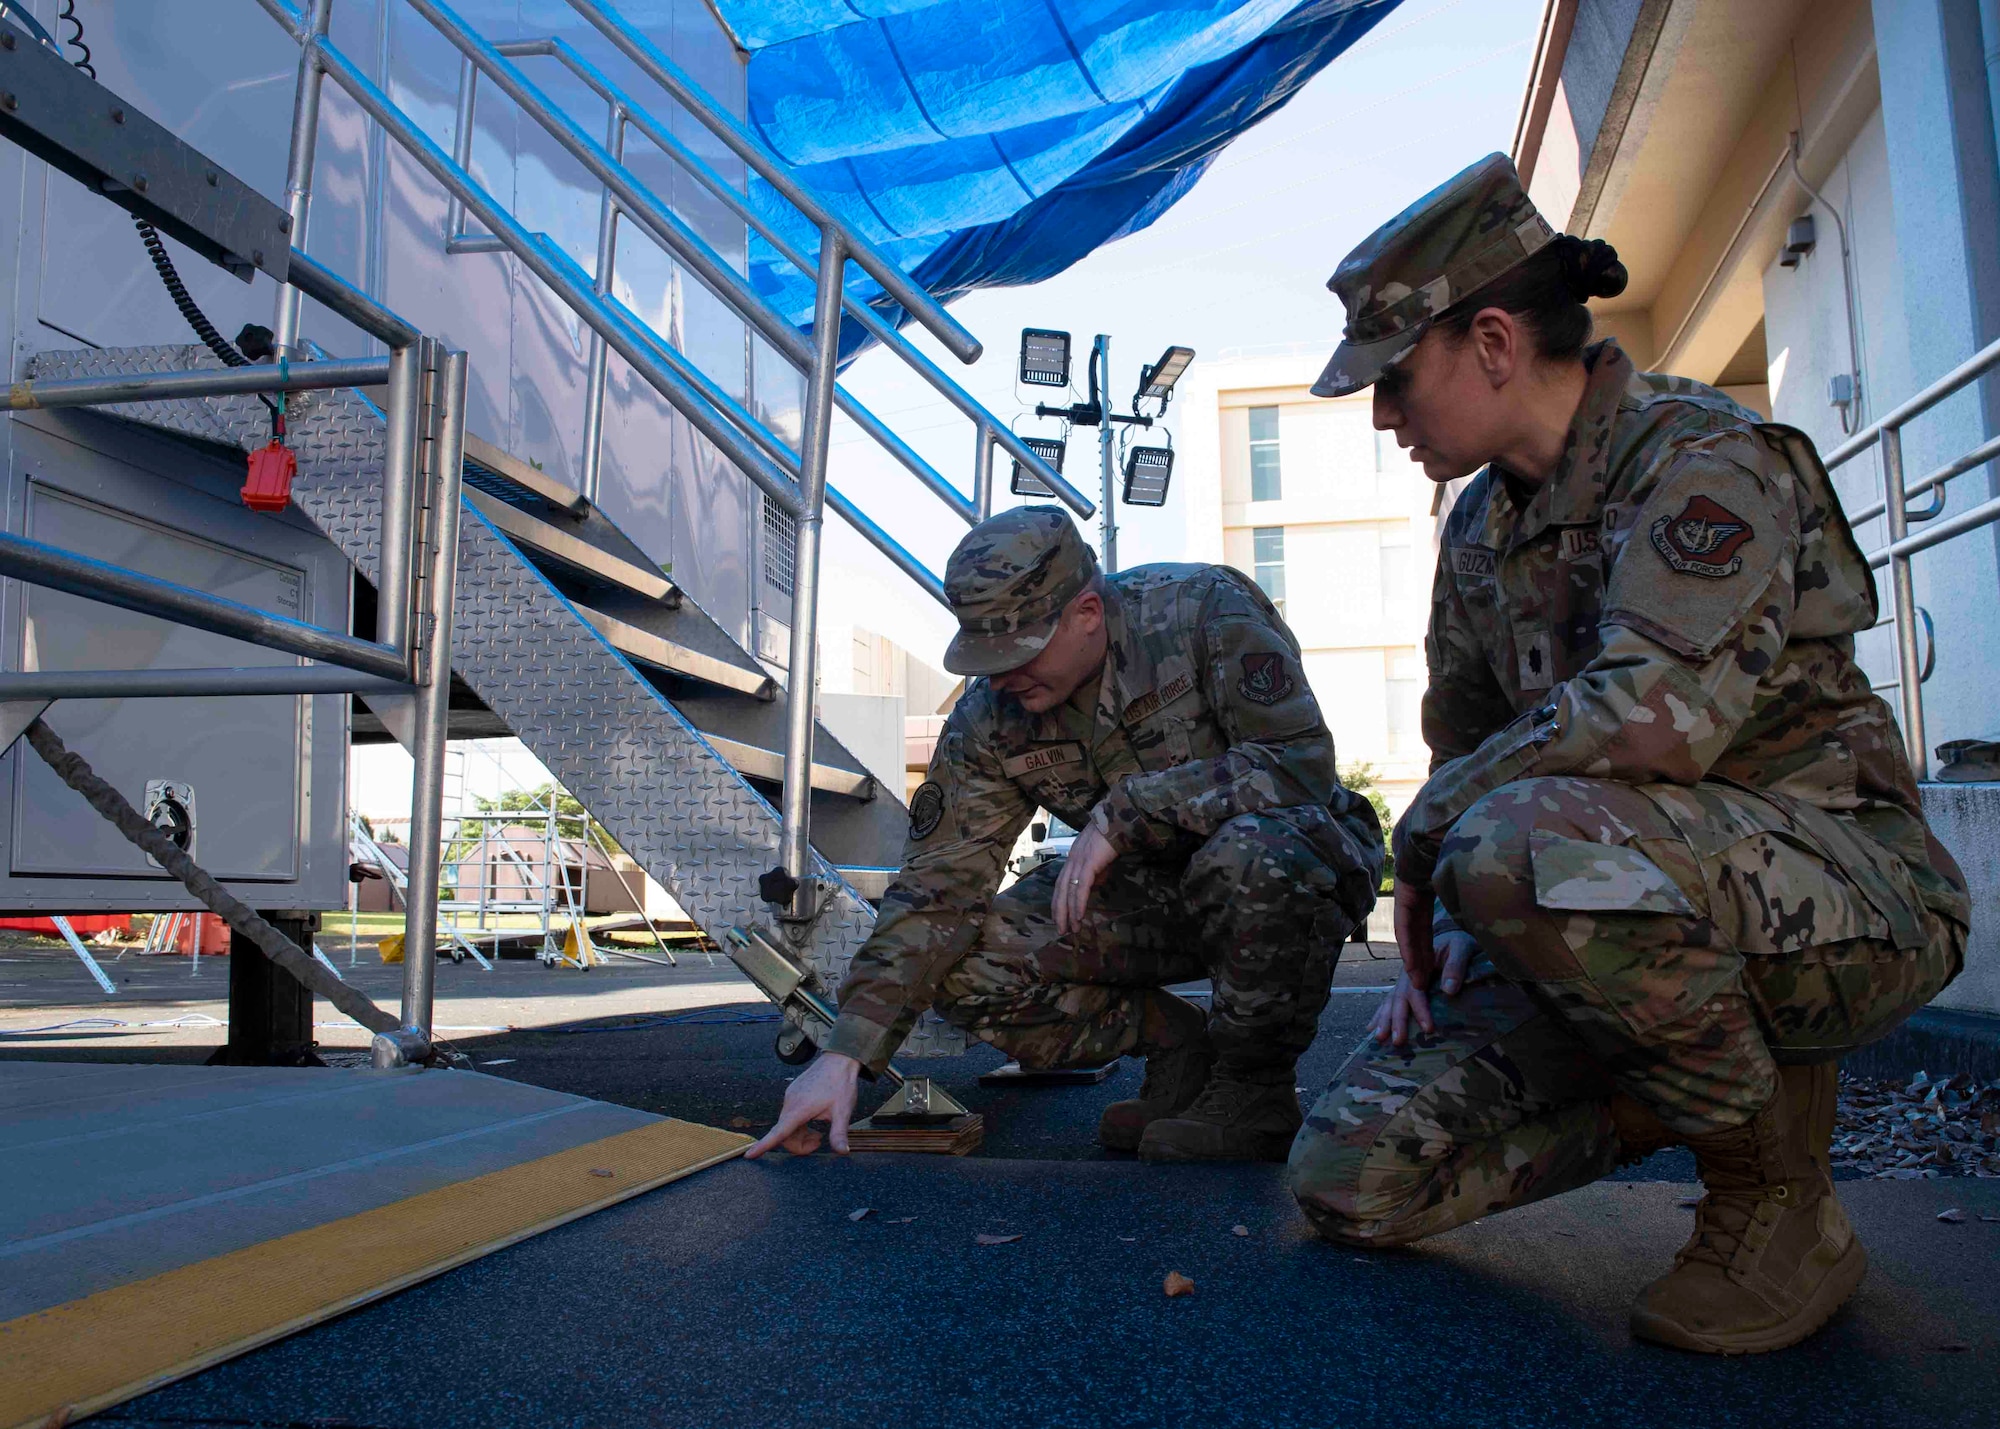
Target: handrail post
{"x": 794, "y": 840}
{"x": 396, "y": 619}
{"x": 444, "y": 464}
{"x": 299, "y": 170}
{"x": 982, "y": 468}
{"x": 600, "y": 351}
{"x": 1903, "y": 602}
{"x": 1107, "y": 450}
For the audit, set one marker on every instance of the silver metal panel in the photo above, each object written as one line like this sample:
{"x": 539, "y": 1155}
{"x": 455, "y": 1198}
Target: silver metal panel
{"x": 669, "y": 799}
{"x": 464, "y": 300}
{"x": 205, "y": 82}
{"x": 636, "y": 488}
{"x": 241, "y": 755}
{"x": 712, "y": 503}
{"x": 134, "y": 498}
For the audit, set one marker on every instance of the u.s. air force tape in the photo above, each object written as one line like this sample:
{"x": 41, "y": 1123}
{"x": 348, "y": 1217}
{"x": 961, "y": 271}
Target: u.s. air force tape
{"x": 926, "y": 809}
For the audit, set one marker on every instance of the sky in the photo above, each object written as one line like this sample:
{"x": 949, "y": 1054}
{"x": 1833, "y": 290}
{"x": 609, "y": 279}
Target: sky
{"x": 1238, "y": 264}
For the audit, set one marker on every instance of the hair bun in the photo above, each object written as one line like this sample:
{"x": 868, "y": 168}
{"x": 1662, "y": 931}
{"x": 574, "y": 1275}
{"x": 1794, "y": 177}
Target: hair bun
{"x": 1590, "y": 266}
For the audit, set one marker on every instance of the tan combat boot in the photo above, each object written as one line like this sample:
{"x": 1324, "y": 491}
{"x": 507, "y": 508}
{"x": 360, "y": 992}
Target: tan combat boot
{"x": 1773, "y": 1255}
{"x": 1229, "y": 1121}
{"x": 1174, "y": 1038}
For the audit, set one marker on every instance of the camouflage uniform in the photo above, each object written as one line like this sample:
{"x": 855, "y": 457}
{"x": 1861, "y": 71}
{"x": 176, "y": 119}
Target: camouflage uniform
{"x": 1198, "y": 751}
{"x": 1663, "y": 799}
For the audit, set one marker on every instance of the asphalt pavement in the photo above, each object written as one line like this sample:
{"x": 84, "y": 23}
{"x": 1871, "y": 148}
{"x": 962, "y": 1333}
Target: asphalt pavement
{"x": 748, "y": 1295}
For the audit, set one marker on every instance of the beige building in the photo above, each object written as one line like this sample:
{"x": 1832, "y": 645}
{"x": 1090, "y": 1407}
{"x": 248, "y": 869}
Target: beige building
{"x": 1807, "y": 196}
{"x": 1334, "y": 522}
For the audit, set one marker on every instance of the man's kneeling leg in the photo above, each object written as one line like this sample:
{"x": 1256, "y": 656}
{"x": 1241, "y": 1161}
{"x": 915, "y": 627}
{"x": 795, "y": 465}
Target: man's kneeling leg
{"x": 1084, "y": 999}
{"x": 1274, "y": 897}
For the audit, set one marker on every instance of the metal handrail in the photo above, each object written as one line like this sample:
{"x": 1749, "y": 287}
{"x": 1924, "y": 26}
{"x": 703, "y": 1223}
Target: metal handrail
{"x": 1887, "y": 432}
{"x": 796, "y": 484}
{"x": 726, "y": 127}
{"x": 629, "y": 196}
{"x": 625, "y": 109}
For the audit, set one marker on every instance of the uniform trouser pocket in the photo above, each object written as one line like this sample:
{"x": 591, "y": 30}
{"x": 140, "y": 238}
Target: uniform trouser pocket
{"x": 1823, "y": 1002}
{"x": 1691, "y": 936}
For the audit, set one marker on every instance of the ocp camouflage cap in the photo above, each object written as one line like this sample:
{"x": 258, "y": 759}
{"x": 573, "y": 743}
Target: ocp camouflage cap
{"x": 1451, "y": 242}
{"x": 1008, "y": 582}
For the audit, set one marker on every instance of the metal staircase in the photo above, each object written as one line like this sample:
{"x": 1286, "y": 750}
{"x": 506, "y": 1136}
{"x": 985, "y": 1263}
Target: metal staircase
{"x": 661, "y": 744}
{"x": 563, "y": 632}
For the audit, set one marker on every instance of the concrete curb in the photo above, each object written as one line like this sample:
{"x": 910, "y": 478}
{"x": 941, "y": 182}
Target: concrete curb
{"x": 1937, "y": 1040}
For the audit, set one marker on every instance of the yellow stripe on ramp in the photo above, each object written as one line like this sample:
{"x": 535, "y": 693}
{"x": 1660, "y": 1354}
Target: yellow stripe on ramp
{"x": 59, "y": 1364}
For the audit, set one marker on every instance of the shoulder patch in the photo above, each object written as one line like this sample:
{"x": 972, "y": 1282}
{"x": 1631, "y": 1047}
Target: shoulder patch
{"x": 1265, "y": 679}
{"x": 1033, "y": 762}
{"x": 1703, "y": 540}
{"x": 1472, "y": 561}
{"x": 926, "y": 809}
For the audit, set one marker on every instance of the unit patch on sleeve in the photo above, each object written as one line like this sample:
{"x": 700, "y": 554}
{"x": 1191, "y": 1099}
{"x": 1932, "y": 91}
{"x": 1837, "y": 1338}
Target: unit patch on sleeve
{"x": 1265, "y": 679}
{"x": 926, "y": 809}
{"x": 1703, "y": 540}
{"x": 1036, "y": 760}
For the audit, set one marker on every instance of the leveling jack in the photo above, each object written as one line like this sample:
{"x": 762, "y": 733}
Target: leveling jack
{"x": 919, "y": 1115}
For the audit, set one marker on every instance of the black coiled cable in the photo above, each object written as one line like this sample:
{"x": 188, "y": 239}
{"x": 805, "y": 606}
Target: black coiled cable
{"x": 198, "y": 320}
{"x": 76, "y": 38}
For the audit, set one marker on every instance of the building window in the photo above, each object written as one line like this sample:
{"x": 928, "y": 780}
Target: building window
{"x": 1398, "y": 573}
{"x": 780, "y": 531}
{"x": 1264, "y": 482}
{"x": 1267, "y": 545}
{"x": 1404, "y": 691}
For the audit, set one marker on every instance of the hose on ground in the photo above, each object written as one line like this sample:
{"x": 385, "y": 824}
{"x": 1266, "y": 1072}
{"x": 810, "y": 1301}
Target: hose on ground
{"x": 73, "y": 771}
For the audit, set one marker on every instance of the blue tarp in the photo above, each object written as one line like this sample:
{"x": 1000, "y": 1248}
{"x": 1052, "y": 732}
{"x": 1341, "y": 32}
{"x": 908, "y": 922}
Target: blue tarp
{"x": 983, "y": 143}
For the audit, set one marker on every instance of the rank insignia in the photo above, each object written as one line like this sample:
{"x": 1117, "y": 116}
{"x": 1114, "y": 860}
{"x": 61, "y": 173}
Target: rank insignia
{"x": 1704, "y": 540}
{"x": 1265, "y": 679}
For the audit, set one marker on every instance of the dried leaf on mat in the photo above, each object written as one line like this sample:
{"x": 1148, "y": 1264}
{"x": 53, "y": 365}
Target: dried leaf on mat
{"x": 1177, "y": 1284}
{"x": 862, "y": 1214}
{"x": 983, "y": 1239}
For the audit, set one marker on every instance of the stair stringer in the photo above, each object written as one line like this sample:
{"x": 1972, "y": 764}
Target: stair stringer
{"x": 611, "y": 738}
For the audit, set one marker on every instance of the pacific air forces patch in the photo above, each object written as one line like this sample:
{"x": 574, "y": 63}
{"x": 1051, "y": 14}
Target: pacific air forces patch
{"x": 1265, "y": 679}
{"x": 926, "y": 809}
{"x": 1703, "y": 540}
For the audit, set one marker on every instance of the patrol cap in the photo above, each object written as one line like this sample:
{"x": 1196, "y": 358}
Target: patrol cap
{"x": 1454, "y": 240}
{"x": 1008, "y": 582}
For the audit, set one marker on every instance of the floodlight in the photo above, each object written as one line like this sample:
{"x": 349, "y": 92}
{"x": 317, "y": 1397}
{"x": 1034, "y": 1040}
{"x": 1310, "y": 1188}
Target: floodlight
{"x": 1044, "y": 357}
{"x": 1025, "y": 482}
{"x": 1147, "y": 470}
{"x": 1159, "y": 379}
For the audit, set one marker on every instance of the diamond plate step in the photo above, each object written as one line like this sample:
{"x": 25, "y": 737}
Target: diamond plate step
{"x": 608, "y": 734}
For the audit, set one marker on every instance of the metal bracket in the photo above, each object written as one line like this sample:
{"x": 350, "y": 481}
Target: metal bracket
{"x": 918, "y": 1102}
{"x": 64, "y": 117}
{"x": 16, "y": 716}
{"x": 405, "y": 1047}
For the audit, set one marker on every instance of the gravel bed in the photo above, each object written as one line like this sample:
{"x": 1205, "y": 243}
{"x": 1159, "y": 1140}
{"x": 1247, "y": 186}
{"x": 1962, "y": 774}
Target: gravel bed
{"x": 1918, "y": 1129}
